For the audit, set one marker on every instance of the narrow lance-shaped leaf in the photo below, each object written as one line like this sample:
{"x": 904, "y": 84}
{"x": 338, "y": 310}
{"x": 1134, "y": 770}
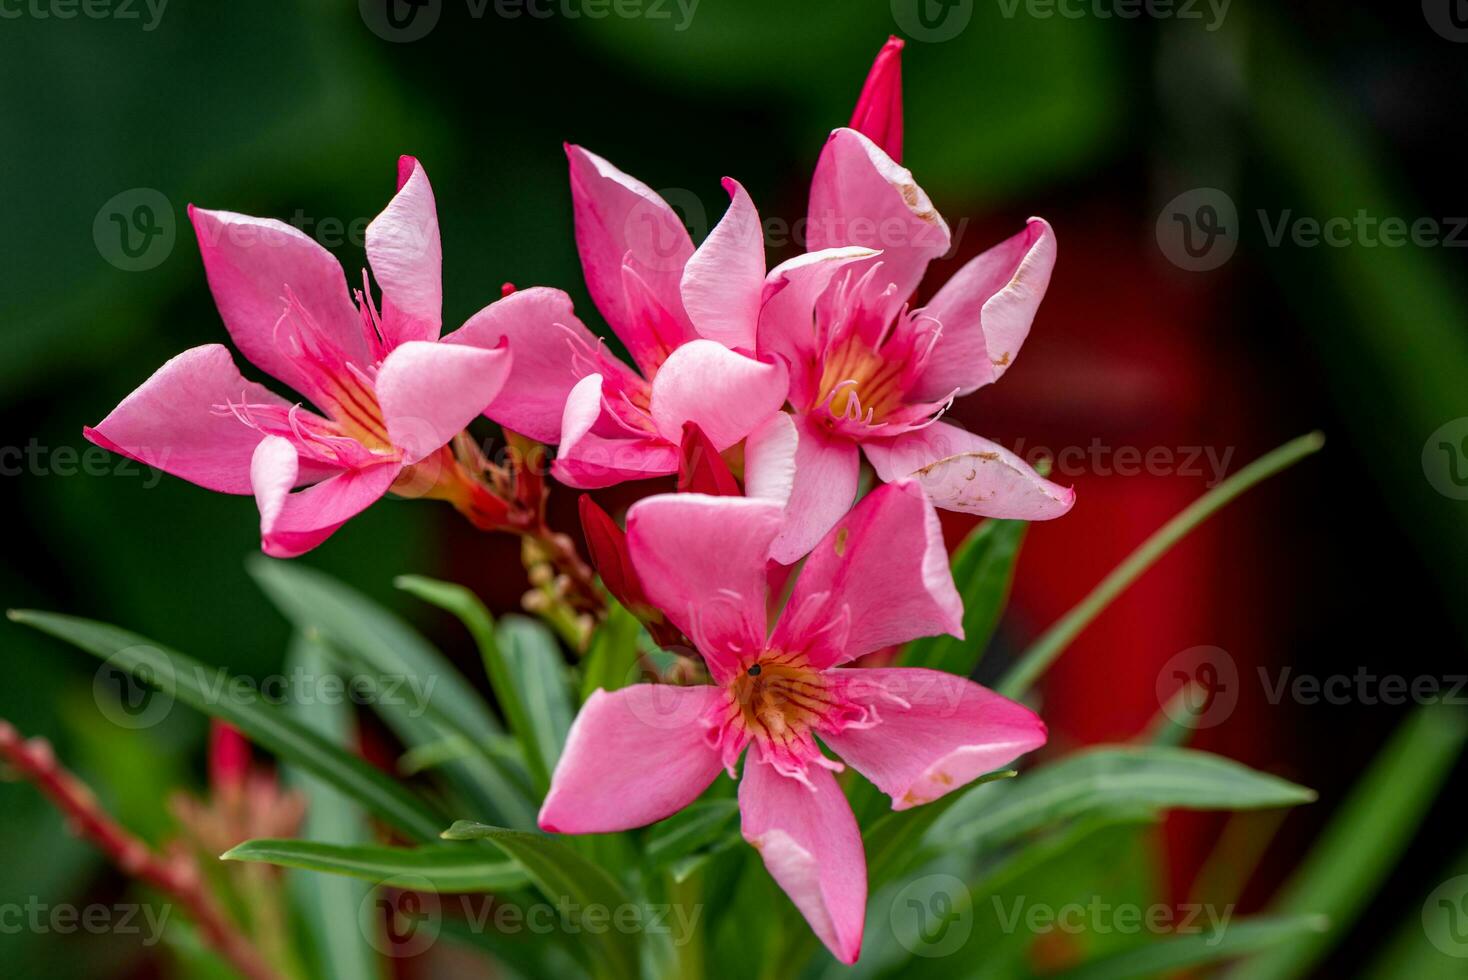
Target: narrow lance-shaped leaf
{"x": 538, "y": 675}
{"x": 573, "y": 884}
{"x": 210, "y": 690}
{"x": 447, "y": 869}
{"x": 1361, "y": 843}
{"x": 1148, "y": 778}
{"x": 339, "y": 945}
{"x": 431, "y": 700}
{"x": 1162, "y": 957}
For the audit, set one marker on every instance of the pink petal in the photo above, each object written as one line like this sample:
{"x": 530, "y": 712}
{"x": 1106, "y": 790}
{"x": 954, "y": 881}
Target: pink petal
{"x": 986, "y": 310}
{"x": 722, "y": 282}
{"x": 769, "y": 459}
{"x": 878, "y": 112}
{"x": 429, "y": 392}
{"x": 406, "y": 255}
{"x": 827, "y": 468}
{"x": 292, "y": 524}
{"x": 620, "y": 219}
{"x": 938, "y": 732}
{"x": 596, "y": 451}
{"x": 810, "y": 843}
{"x": 177, "y": 421}
{"x": 551, "y": 350}
{"x": 860, "y": 196}
{"x": 726, "y": 393}
{"x": 251, "y": 263}
{"x": 883, "y": 566}
{"x": 964, "y": 472}
{"x": 702, "y": 562}
{"x": 632, "y": 757}
{"x": 787, "y": 311}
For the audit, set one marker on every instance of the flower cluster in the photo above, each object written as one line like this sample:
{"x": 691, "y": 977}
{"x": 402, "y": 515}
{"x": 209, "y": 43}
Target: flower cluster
{"x": 762, "y": 389}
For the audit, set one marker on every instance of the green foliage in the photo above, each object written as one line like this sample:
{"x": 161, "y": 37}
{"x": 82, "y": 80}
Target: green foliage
{"x": 446, "y": 869}
{"x": 983, "y": 568}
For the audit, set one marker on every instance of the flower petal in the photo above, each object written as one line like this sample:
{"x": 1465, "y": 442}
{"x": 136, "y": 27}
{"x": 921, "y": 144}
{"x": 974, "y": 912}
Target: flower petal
{"x": 938, "y": 731}
{"x": 552, "y": 350}
{"x": 787, "y": 311}
{"x": 596, "y": 451}
{"x": 702, "y": 562}
{"x": 967, "y": 473}
{"x": 620, "y": 219}
{"x": 177, "y": 421}
{"x": 883, "y": 566}
{"x": 430, "y": 391}
{"x": 727, "y": 394}
{"x": 770, "y": 457}
{"x": 292, "y": 524}
{"x": 827, "y": 469}
{"x": 878, "y": 112}
{"x": 251, "y": 263}
{"x": 406, "y": 255}
{"x": 722, "y": 282}
{"x": 632, "y": 757}
{"x": 986, "y": 310}
{"x": 860, "y": 196}
{"x": 808, "y": 838}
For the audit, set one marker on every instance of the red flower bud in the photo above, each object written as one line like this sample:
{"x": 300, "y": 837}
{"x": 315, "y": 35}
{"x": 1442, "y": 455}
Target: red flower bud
{"x": 700, "y": 467}
{"x": 878, "y": 114}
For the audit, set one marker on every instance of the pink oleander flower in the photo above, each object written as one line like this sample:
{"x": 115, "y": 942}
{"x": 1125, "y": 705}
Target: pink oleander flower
{"x": 880, "y": 577}
{"x": 687, "y": 317}
{"x": 869, "y": 373}
{"x": 389, "y": 395}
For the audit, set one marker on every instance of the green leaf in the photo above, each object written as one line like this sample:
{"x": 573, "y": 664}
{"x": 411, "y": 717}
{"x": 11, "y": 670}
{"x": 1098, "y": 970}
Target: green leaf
{"x": 690, "y": 829}
{"x": 983, "y": 568}
{"x": 1180, "y": 952}
{"x": 433, "y": 703}
{"x": 1038, "y": 658}
{"x": 611, "y": 663}
{"x": 1361, "y": 843}
{"x": 210, "y": 690}
{"x": 570, "y": 881}
{"x": 341, "y": 948}
{"x": 1147, "y": 778}
{"x": 537, "y": 674}
{"x": 447, "y": 869}
{"x": 893, "y": 843}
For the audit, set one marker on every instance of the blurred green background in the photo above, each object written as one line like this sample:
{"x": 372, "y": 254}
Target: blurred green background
{"x": 299, "y": 110}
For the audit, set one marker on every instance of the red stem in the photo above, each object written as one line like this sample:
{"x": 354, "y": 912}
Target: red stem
{"x": 179, "y": 877}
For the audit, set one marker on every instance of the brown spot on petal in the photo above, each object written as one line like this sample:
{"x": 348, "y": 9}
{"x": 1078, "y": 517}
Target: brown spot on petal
{"x": 989, "y": 456}
{"x": 840, "y": 544}
{"x": 1000, "y": 361}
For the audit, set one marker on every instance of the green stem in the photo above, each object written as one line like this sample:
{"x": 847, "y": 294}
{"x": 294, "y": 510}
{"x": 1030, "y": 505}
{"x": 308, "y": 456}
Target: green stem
{"x": 1038, "y": 658}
